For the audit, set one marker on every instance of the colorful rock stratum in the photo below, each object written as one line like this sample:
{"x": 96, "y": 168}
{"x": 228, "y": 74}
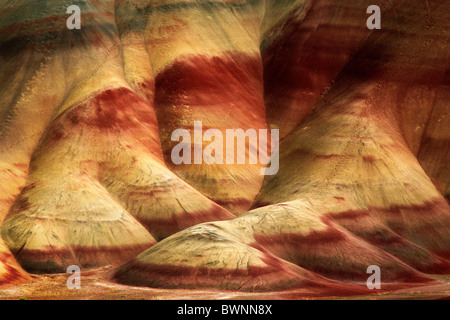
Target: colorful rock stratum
{"x": 86, "y": 123}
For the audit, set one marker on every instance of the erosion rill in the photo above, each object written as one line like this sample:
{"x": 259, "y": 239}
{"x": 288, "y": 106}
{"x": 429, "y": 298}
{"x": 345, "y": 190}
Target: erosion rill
{"x": 87, "y": 117}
